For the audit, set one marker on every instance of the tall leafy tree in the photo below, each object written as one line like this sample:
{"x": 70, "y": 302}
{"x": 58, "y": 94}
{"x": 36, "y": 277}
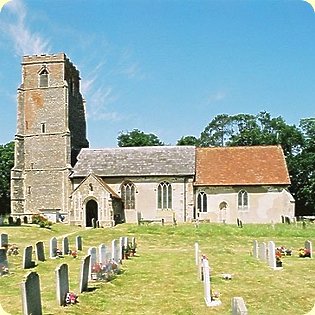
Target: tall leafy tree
{"x": 137, "y": 138}
{"x": 6, "y": 163}
{"x": 188, "y": 140}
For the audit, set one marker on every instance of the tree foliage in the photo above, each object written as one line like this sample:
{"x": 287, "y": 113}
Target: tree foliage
{"x": 137, "y": 138}
{"x": 188, "y": 140}
{"x": 6, "y": 163}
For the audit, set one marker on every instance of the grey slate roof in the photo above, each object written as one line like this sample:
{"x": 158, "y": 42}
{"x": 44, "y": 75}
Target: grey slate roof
{"x": 136, "y": 161}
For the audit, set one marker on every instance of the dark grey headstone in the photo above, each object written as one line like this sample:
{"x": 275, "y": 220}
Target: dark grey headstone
{"x": 53, "y": 247}
{"x": 65, "y": 246}
{"x": 27, "y": 257}
{"x": 62, "y": 283}
{"x": 84, "y": 273}
{"x": 40, "y": 251}
{"x": 4, "y": 240}
{"x": 31, "y": 298}
{"x": 3, "y": 258}
{"x": 78, "y": 243}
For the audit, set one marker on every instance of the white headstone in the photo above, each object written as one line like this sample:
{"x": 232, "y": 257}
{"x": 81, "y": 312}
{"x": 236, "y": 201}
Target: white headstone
{"x": 308, "y": 246}
{"x": 255, "y": 248}
{"x": 272, "y": 254}
{"x": 102, "y": 254}
{"x": 262, "y": 251}
{"x": 238, "y": 306}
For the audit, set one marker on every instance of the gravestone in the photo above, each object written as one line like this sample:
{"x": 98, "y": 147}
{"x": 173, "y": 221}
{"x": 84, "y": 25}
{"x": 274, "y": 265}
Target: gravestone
{"x": 238, "y": 306}
{"x": 282, "y": 219}
{"x": 102, "y": 254}
{"x": 65, "y": 246}
{"x": 255, "y": 248}
{"x": 197, "y": 253}
{"x": 62, "y": 283}
{"x": 116, "y": 252}
{"x": 262, "y": 251}
{"x": 4, "y": 240}
{"x": 93, "y": 259}
{"x": 84, "y": 273}
{"x": 133, "y": 242}
{"x": 40, "y": 252}
{"x": 93, "y": 223}
{"x": 53, "y": 247}
{"x": 308, "y": 246}
{"x": 207, "y": 285}
{"x": 10, "y": 220}
{"x": 31, "y": 299}
{"x": 27, "y": 257}
{"x": 98, "y": 224}
{"x": 25, "y": 220}
{"x": 18, "y": 222}
{"x": 3, "y": 258}
{"x": 272, "y": 254}
{"x": 121, "y": 248}
{"x": 78, "y": 243}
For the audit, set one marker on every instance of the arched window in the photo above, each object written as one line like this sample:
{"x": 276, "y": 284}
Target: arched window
{"x": 164, "y": 197}
{"x": 202, "y": 202}
{"x": 242, "y": 199}
{"x": 43, "y": 78}
{"x": 128, "y": 195}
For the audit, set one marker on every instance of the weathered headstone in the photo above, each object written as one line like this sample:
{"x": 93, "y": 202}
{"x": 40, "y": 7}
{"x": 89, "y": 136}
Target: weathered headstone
{"x": 102, "y": 254}
{"x": 207, "y": 285}
{"x": 31, "y": 298}
{"x": 93, "y": 259}
{"x": 93, "y": 221}
{"x": 238, "y": 306}
{"x": 197, "y": 253}
{"x": 10, "y": 220}
{"x": 62, "y": 283}
{"x": 65, "y": 246}
{"x": 84, "y": 273}
{"x": 271, "y": 254}
{"x": 3, "y": 258}
{"x": 78, "y": 242}
{"x": 308, "y": 245}
{"x": 25, "y": 220}
{"x": 4, "y": 240}
{"x": 53, "y": 247}
{"x": 116, "y": 251}
{"x": 18, "y": 221}
{"x": 255, "y": 248}
{"x": 40, "y": 252}
{"x": 27, "y": 257}
{"x": 262, "y": 251}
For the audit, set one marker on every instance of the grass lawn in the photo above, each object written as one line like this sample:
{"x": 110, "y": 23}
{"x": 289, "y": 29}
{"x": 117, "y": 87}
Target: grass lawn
{"x": 163, "y": 278}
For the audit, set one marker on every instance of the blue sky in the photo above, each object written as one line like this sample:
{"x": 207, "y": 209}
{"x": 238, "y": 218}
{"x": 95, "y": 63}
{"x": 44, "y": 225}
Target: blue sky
{"x": 166, "y": 67}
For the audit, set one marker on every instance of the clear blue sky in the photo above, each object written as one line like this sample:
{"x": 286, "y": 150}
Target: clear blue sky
{"x": 166, "y": 67}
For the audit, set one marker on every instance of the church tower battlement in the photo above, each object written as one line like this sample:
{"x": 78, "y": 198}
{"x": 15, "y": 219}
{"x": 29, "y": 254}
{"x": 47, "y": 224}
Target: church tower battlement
{"x": 51, "y": 130}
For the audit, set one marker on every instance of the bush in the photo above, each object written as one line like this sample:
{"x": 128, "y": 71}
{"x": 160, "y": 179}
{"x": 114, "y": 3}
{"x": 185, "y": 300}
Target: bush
{"x": 41, "y": 221}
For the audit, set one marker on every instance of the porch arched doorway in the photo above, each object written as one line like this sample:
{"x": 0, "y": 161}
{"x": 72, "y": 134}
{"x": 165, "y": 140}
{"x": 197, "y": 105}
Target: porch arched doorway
{"x": 91, "y": 211}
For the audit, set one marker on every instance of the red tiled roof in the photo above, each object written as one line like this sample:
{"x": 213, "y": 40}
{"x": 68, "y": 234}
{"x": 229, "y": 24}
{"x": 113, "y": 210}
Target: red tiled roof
{"x": 254, "y": 165}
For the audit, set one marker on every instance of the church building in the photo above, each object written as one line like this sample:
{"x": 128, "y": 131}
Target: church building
{"x": 57, "y": 174}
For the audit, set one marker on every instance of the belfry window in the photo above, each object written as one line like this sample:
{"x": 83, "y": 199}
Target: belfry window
{"x": 43, "y": 78}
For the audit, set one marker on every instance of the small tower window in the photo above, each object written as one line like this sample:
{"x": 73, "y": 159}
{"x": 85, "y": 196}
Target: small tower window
{"x": 43, "y": 78}
{"x": 43, "y": 127}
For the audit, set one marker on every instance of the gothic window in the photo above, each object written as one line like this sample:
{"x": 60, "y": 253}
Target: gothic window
{"x": 128, "y": 195}
{"x": 242, "y": 198}
{"x": 164, "y": 196}
{"x": 202, "y": 202}
{"x": 43, "y": 78}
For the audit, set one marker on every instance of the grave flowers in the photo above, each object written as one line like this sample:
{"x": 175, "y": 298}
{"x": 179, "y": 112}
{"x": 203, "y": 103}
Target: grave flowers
{"x": 74, "y": 253}
{"x": 278, "y": 258}
{"x": 71, "y": 298}
{"x": 304, "y": 252}
{"x": 285, "y": 251}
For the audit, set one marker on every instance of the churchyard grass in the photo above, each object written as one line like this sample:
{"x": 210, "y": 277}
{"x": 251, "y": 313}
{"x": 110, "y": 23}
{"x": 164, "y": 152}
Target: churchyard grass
{"x": 162, "y": 278}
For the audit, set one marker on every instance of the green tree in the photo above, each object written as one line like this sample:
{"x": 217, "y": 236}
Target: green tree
{"x": 137, "y": 138}
{"x": 188, "y": 140}
{"x": 6, "y": 163}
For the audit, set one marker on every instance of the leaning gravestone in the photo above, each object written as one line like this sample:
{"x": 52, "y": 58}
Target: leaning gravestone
{"x": 27, "y": 257}
{"x": 62, "y": 283}
{"x": 65, "y": 246}
{"x": 31, "y": 300}
{"x": 309, "y": 247}
{"x": 78, "y": 243}
{"x": 53, "y": 247}
{"x": 238, "y": 306}
{"x": 84, "y": 273}
{"x": 4, "y": 240}
{"x": 40, "y": 252}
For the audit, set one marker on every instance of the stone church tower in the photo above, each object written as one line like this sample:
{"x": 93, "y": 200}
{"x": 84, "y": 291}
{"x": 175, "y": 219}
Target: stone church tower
{"x": 51, "y": 130}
